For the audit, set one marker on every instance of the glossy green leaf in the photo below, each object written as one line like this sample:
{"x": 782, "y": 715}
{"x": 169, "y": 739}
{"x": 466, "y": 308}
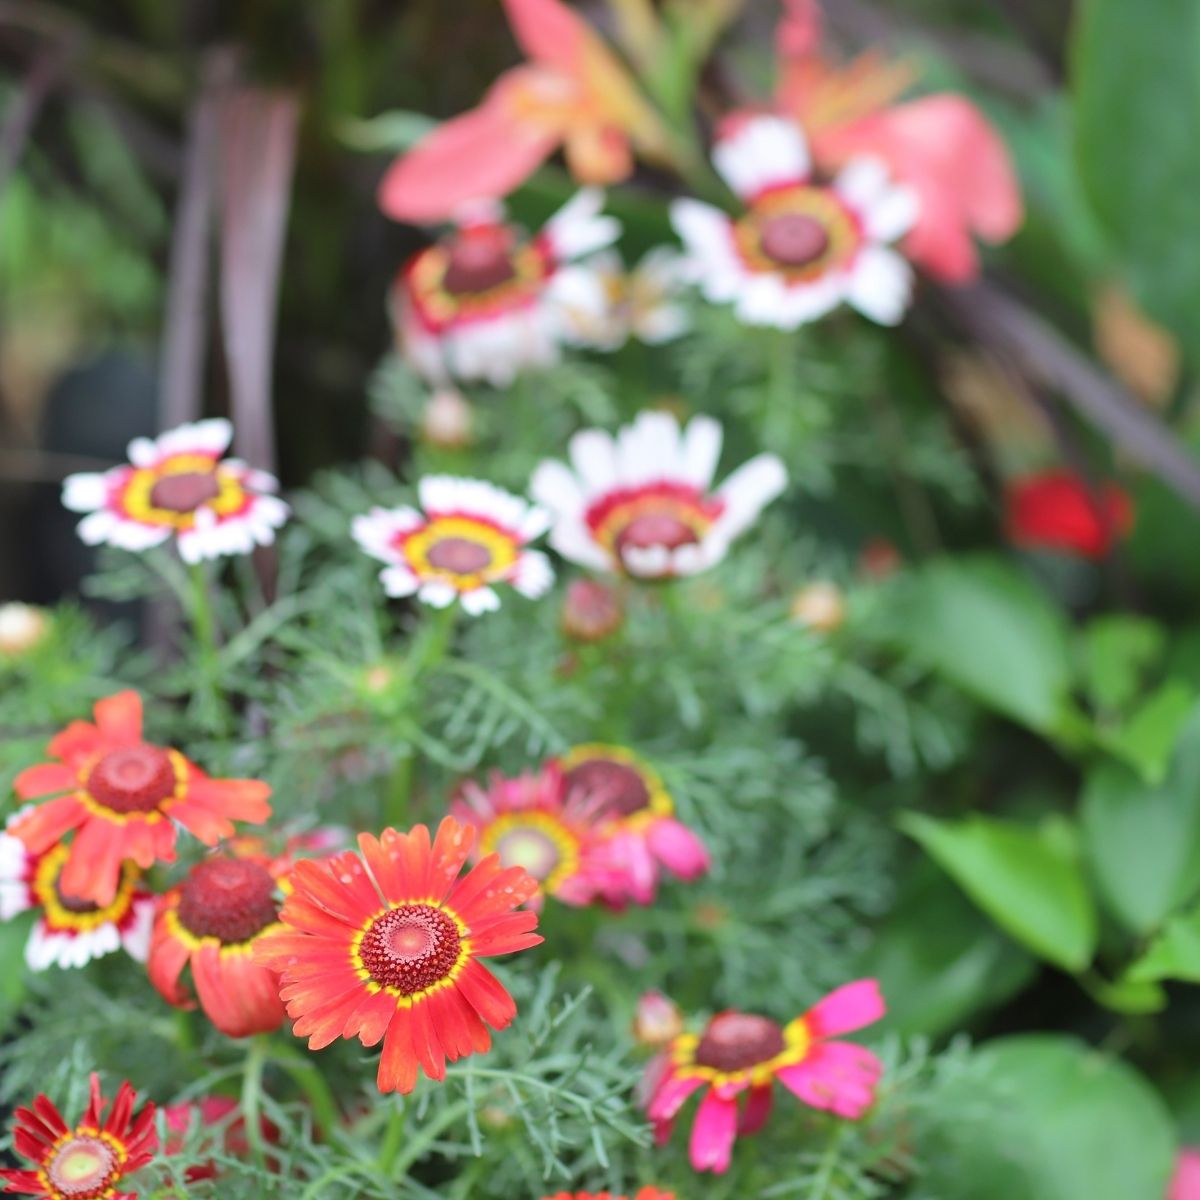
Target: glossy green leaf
{"x": 1146, "y": 739}
{"x": 1173, "y": 954}
{"x": 1024, "y": 879}
{"x": 1116, "y": 652}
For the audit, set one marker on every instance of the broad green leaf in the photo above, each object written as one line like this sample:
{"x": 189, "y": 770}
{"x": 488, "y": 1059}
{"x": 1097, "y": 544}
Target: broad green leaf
{"x": 1136, "y": 89}
{"x": 1026, "y": 881}
{"x": 1116, "y": 652}
{"x": 1142, "y": 841}
{"x": 1068, "y": 1123}
{"x": 1146, "y": 739}
{"x": 985, "y": 627}
{"x": 1126, "y": 995}
{"x": 939, "y": 961}
{"x": 1173, "y": 954}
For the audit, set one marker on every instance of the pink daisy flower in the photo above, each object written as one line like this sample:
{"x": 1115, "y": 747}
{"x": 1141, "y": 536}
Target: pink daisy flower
{"x": 487, "y": 302}
{"x": 640, "y": 503}
{"x": 470, "y": 536}
{"x": 740, "y": 1054}
{"x": 178, "y": 486}
{"x": 801, "y": 248}
{"x": 642, "y": 835}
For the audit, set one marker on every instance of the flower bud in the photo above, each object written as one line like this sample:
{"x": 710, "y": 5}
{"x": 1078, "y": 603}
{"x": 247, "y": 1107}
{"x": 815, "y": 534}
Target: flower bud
{"x": 879, "y": 560}
{"x": 820, "y": 606}
{"x": 22, "y": 627}
{"x": 592, "y": 611}
{"x": 656, "y": 1020}
{"x": 447, "y": 421}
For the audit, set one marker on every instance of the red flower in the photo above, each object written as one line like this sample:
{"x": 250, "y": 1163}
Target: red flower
{"x": 647, "y": 1193}
{"x": 85, "y": 1162}
{"x": 212, "y": 922}
{"x": 386, "y": 946}
{"x": 123, "y": 797}
{"x": 1057, "y": 511}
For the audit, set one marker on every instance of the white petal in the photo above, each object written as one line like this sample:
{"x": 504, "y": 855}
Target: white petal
{"x": 136, "y": 936}
{"x": 398, "y": 581}
{"x": 648, "y": 449}
{"x": 437, "y": 594}
{"x": 762, "y": 152}
{"x": 534, "y": 575}
{"x": 648, "y": 562}
{"x": 573, "y": 540}
{"x": 700, "y": 449}
{"x": 664, "y": 323}
{"x": 747, "y": 492}
{"x": 480, "y": 600}
{"x": 578, "y": 228}
{"x": 880, "y": 284}
{"x": 554, "y": 487}
{"x": 705, "y": 232}
{"x": 84, "y": 493}
{"x": 593, "y": 454}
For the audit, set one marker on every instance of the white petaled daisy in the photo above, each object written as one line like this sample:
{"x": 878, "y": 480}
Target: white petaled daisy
{"x": 640, "y": 303}
{"x": 70, "y": 932}
{"x": 178, "y": 486}
{"x": 488, "y": 302}
{"x": 469, "y": 536}
{"x": 801, "y": 248}
{"x": 641, "y": 502}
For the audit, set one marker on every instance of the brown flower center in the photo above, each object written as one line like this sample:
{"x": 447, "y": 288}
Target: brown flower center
{"x": 734, "y": 1041}
{"x": 794, "y": 239}
{"x": 132, "y": 779}
{"x": 410, "y": 948}
{"x": 82, "y": 1167}
{"x": 230, "y": 899}
{"x": 186, "y": 491}
{"x": 621, "y": 789}
{"x": 479, "y": 262}
{"x": 656, "y": 529}
{"x": 459, "y": 556}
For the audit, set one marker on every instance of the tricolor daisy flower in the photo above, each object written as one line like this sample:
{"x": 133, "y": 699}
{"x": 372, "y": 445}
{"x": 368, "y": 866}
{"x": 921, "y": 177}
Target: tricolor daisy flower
{"x": 743, "y": 1054}
{"x": 531, "y": 822}
{"x": 470, "y": 536}
{"x": 640, "y": 503}
{"x": 123, "y": 797}
{"x": 488, "y": 302}
{"x": 642, "y": 835}
{"x": 386, "y": 946}
{"x": 801, "y": 248}
{"x": 178, "y": 486}
{"x": 89, "y": 1161}
{"x": 211, "y": 923}
{"x": 70, "y": 932}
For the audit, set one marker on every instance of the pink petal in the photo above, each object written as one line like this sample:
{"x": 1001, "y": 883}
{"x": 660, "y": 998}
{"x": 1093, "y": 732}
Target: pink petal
{"x": 549, "y": 32}
{"x": 483, "y": 154}
{"x": 678, "y": 848}
{"x": 849, "y": 1008}
{"x": 671, "y": 1095}
{"x": 838, "y": 1077}
{"x": 757, "y": 1110}
{"x": 1185, "y": 1183}
{"x": 713, "y": 1134}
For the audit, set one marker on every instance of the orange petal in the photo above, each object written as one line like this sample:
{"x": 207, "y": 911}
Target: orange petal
{"x": 46, "y": 779}
{"x": 119, "y": 718}
{"x": 40, "y": 828}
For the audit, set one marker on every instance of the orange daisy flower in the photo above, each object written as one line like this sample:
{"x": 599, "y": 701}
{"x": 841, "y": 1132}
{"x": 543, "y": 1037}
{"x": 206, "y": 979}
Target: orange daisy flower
{"x": 386, "y": 946}
{"x": 212, "y": 922}
{"x": 85, "y": 1162}
{"x": 123, "y": 797}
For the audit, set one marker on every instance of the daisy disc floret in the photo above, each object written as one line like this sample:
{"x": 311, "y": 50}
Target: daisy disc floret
{"x": 68, "y": 931}
{"x": 89, "y": 1161}
{"x": 124, "y": 797}
{"x": 385, "y": 946}
{"x": 800, "y": 248}
{"x": 468, "y": 537}
{"x": 178, "y": 486}
{"x": 740, "y": 1056}
{"x": 641, "y": 503}
{"x": 488, "y": 302}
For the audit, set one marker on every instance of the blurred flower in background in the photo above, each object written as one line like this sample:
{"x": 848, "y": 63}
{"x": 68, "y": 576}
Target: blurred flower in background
{"x": 1057, "y": 510}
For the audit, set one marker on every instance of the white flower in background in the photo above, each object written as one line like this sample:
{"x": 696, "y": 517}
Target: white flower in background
{"x": 800, "y": 249}
{"x": 641, "y": 303}
{"x": 642, "y": 502}
{"x": 178, "y": 486}
{"x": 488, "y": 302}
{"x": 70, "y": 932}
{"x": 470, "y": 536}
{"x": 22, "y": 627}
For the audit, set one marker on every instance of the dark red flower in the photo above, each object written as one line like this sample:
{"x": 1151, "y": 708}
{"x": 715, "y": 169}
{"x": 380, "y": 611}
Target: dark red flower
{"x": 1056, "y": 510}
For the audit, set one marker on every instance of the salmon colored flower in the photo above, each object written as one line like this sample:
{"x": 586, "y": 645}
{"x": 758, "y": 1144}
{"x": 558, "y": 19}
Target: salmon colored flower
{"x": 88, "y": 1161}
{"x": 70, "y": 932}
{"x": 385, "y": 946}
{"x": 532, "y": 822}
{"x": 211, "y": 923}
{"x": 123, "y": 797}
{"x": 1056, "y": 510}
{"x": 740, "y": 1054}
{"x": 646, "y": 1193}
{"x": 1185, "y": 1183}
{"x": 941, "y": 146}
{"x": 573, "y": 93}
{"x": 641, "y": 834}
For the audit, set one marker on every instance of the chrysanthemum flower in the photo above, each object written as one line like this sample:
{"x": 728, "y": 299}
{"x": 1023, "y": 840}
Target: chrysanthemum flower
{"x": 123, "y": 797}
{"x": 641, "y": 832}
{"x": 212, "y": 922}
{"x": 88, "y": 1161}
{"x": 801, "y": 248}
{"x": 178, "y": 486}
{"x": 1056, "y": 510}
{"x": 488, "y": 303}
{"x": 531, "y": 822}
{"x": 646, "y": 1193}
{"x": 470, "y": 536}
{"x": 70, "y": 932}
{"x": 386, "y": 946}
{"x": 740, "y": 1053}
{"x": 640, "y": 503}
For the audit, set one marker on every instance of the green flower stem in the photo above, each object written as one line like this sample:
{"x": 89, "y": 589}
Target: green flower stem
{"x": 422, "y": 1141}
{"x": 393, "y": 1138}
{"x": 308, "y": 1078}
{"x": 781, "y": 388}
{"x": 204, "y": 627}
{"x": 257, "y": 1053}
